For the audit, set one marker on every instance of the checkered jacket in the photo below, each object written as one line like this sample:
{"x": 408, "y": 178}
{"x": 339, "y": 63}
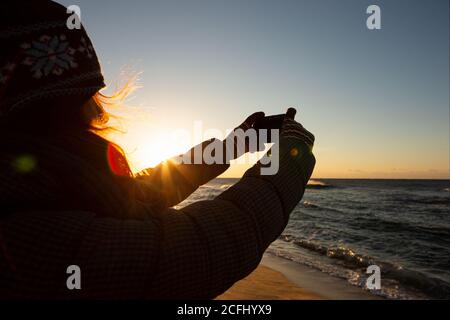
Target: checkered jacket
{"x": 196, "y": 252}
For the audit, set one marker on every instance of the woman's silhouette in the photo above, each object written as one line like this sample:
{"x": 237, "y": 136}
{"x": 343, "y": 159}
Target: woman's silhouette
{"x": 68, "y": 197}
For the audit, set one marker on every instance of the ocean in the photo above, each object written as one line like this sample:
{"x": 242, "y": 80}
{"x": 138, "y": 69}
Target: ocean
{"x": 341, "y": 226}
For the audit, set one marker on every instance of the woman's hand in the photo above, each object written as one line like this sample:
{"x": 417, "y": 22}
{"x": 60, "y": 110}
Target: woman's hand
{"x": 237, "y": 143}
{"x": 293, "y": 130}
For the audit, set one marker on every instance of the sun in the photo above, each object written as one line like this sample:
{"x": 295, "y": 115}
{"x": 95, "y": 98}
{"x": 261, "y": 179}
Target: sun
{"x": 148, "y": 154}
{"x": 146, "y": 144}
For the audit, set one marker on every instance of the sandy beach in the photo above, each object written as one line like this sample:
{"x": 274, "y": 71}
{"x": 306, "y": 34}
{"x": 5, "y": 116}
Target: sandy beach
{"x": 267, "y": 284}
{"x": 280, "y": 279}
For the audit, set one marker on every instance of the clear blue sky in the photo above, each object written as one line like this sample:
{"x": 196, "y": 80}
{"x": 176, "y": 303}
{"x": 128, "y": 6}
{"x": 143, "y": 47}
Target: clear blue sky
{"x": 377, "y": 101}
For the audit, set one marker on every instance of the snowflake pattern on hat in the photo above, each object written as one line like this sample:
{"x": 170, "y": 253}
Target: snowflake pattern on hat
{"x": 41, "y": 59}
{"x": 6, "y": 71}
{"x": 49, "y": 55}
{"x": 86, "y": 48}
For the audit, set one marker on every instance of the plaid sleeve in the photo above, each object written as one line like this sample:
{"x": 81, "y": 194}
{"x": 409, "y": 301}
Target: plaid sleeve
{"x": 209, "y": 245}
{"x": 195, "y": 252}
{"x": 115, "y": 256}
{"x": 174, "y": 181}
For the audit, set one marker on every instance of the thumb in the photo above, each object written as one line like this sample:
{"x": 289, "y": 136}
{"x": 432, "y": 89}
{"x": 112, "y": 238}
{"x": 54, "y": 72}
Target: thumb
{"x": 290, "y": 114}
{"x": 253, "y": 118}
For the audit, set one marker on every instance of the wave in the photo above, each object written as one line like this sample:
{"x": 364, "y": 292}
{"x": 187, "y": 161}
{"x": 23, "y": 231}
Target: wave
{"x": 308, "y": 204}
{"x": 349, "y": 259}
{"x": 416, "y": 227}
{"x": 316, "y": 184}
{"x": 340, "y": 253}
{"x": 428, "y": 201}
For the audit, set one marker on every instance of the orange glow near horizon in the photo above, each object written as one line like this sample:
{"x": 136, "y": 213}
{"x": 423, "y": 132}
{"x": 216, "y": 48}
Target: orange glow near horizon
{"x": 145, "y": 152}
{"x": 151, "y": 147}
{"x": 145, "y": 141}
{"x": 148, "y": 140}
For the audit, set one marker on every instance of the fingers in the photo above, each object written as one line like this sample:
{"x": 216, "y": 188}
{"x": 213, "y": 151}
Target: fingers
{"x": 248, "y": 123}
{"x": 294, "y": 130}
{"x": 290, "y": 114}
{"x": 254, "y": 117}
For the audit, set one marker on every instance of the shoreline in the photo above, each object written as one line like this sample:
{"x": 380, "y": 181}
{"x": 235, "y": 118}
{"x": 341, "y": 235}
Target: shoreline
{"x": 280, "y": 279}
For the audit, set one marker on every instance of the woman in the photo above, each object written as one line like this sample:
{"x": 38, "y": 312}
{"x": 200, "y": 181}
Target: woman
{"x": 68, "y": 197}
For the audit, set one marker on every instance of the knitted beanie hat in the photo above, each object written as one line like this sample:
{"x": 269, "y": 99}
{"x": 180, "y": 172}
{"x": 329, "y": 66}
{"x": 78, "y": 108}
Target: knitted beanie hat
{"x": 41, "y": 58}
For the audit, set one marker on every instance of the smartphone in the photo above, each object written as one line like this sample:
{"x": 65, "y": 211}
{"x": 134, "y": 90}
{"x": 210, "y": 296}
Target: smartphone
{"x": 270, "y": 122}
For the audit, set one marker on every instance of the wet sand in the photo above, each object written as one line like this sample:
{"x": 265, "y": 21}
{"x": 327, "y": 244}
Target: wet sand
{"x": 280, "y": 279}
